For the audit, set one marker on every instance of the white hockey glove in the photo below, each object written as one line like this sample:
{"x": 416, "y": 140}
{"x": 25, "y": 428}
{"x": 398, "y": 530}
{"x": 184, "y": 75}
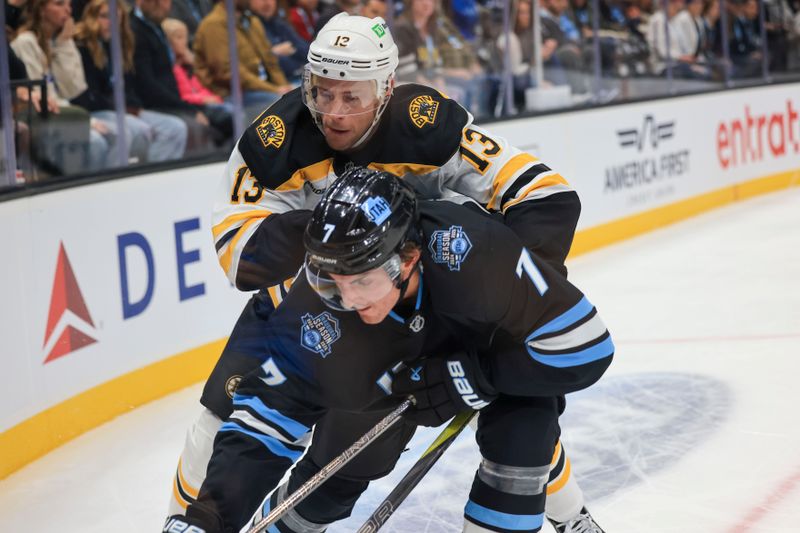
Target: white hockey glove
{"x": 443, "y": 387}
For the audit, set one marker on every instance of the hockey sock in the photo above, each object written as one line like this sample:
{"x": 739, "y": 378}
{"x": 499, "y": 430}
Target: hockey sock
{"x": 564, "y": 495}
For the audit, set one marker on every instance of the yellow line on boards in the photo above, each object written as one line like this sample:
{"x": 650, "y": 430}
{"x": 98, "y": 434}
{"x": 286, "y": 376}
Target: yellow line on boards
{"x": 596, "y": 237}
{"x": 40, "y": 434}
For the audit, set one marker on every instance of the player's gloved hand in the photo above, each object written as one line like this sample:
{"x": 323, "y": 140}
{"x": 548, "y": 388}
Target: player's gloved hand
{"x": 443, "y": 387}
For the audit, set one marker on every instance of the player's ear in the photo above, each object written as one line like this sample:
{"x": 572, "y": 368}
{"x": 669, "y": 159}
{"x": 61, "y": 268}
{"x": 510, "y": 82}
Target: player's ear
{"x": 410, "y": 258}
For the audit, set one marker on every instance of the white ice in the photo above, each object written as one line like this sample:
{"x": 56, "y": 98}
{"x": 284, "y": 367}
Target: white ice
{"x": 694, "y": 428}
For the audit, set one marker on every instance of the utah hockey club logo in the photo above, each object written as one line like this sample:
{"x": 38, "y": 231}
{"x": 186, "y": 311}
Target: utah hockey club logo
{"x": 377, "y": 209}
{"x": 271, "y": 131}
{"x": 68, "y": 313}
{"x": 450, "y": 247}
{"x": 318, "y": 333}
{"x": 423, "y": 110}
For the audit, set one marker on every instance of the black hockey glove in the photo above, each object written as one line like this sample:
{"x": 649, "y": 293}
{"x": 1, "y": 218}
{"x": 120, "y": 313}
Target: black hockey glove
{"x": 443, "y": 387}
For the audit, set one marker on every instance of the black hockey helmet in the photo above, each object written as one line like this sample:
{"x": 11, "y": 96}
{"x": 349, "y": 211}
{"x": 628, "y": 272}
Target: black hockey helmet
{"x": 362, "y": 220}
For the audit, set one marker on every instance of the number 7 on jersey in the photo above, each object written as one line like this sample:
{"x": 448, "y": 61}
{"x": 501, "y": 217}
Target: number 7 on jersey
{"x": 526, "y": 264}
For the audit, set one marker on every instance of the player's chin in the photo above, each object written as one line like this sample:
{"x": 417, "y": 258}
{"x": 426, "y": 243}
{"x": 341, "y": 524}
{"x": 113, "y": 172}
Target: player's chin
{"x": 338, "y": 139}
{"x": 371, "y": 316}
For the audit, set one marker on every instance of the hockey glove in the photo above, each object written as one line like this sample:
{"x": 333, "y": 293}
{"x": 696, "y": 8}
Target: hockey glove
{"x": 443, "y": 387}
{"x": 181, "y": 524}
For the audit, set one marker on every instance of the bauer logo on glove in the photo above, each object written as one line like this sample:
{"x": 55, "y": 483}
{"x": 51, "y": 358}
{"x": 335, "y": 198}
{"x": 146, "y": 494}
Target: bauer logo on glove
{"x": 442, "y": 387}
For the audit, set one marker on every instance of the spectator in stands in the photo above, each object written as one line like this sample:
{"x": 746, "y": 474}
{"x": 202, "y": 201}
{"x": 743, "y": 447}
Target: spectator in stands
{"x": 679, "y": 50}
{"x": 219, "y": 112}
{"x": 710, "y": 17}
{"x": 329, "y": 10}
{"x": 685, "y": 39}
{"x": 17, "y": 72}
{"x": 465, "y": 15}
{"x": 14, "y": 9}
{"x": 744, "y": 52}
{"x": 694, "y": 34}
{"x": 373, "y": 8}
{"x": 260, "y": 75}
{"x": 432, "y": 52}
{"x": 151, "y": 136}
{"x": 567, "y": 59}
{"x": 520, "y": 50}
{"x": 303, "y": 16}
{"x": 780, "y": 32}
{"x": 45, "y": 44}
{"x": 153, "y": 79}
{"x": 290, "y": 48}
{"x": 191, "y": 13}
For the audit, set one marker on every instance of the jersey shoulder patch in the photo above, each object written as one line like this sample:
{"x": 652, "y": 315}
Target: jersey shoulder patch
{"x": 425, "y": 126}
{"x": 282, "y": 140}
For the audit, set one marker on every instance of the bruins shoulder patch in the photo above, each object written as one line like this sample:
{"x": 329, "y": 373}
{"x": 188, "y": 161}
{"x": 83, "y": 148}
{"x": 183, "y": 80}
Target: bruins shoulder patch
{"x": 271, "y": 131}
{"x": 422, "y": 110}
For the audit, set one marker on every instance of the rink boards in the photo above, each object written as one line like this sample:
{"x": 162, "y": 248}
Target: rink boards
{"x": 113, "y": 295}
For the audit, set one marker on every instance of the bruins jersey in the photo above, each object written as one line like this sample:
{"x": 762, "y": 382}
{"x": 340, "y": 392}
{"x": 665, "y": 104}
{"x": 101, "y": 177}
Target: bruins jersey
{"x": 281, "y": 166}
{"x": 481, "y": 289}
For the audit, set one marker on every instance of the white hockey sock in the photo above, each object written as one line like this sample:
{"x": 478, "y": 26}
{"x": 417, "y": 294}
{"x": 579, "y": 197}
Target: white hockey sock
{"x": 193, "y": 462}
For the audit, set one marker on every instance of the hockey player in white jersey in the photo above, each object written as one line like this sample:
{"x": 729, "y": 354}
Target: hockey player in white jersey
{"x": 349, "y": 112}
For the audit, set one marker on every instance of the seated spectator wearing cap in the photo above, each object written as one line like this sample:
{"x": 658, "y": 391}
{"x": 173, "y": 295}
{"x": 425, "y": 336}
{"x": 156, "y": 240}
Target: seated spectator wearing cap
{"x": 153, "y": 79}
{"x": 290, "y": 48}
{"x": 219, "y": 113}
{"x": 151, "y": 136}
{"x": 262, "y": 80}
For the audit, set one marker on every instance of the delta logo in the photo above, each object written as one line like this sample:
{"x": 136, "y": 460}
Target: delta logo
{"x": 68, "y": 320}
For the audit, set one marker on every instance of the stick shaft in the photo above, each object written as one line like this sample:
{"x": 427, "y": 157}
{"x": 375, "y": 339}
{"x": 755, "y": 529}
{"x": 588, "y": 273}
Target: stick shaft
{"x": 331, "y": 468}
{"x": 412, "y": 478}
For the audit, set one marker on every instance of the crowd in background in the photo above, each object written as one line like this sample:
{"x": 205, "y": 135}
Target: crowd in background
{"x": 177, "y": 72}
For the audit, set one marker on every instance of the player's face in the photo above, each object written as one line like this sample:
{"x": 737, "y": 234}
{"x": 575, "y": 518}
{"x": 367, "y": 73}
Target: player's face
{"x": 347, "y": 109}
{"x": 371, "y": 294}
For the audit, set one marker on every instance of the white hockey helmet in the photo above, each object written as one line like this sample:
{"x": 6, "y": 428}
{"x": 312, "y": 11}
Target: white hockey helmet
{"x": 361, "y": 53}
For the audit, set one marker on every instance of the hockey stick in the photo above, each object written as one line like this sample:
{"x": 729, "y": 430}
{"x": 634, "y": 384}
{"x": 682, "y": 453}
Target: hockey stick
{"x": 331, "y": 468}
{"x": 417, "y": 472}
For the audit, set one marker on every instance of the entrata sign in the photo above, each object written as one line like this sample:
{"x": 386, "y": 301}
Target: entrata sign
{"x": 756, "y": 137}
{"x": 68, "y": 313}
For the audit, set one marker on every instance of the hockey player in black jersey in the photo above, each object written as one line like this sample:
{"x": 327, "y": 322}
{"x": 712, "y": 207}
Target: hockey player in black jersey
{"x": 348, "y": 111}
{"x": 503, "y": 333}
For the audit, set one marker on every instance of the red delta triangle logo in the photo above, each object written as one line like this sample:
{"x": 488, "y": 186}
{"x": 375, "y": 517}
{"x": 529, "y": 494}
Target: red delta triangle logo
{"x": 66, "y": 300}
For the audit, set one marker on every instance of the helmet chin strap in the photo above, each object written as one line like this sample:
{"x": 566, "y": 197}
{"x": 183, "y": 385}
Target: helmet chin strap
{"x": 403, "y": 285}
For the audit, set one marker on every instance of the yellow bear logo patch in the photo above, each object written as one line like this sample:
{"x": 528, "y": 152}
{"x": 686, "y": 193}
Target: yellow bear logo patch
{"x": 423, "y": 110}
{"x": 271, "y": 131}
